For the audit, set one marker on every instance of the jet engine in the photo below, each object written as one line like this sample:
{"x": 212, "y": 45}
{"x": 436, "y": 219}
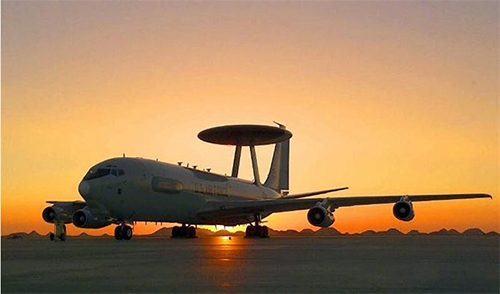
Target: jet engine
{"x": 403, "y": 210}
{"x": 320, "y": 217}
{"x": 58, "y": 212}
{"x": 83, "y": 218}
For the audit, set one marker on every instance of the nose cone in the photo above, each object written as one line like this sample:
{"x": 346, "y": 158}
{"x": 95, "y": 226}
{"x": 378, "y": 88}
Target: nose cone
{"x": 84, "y": 188}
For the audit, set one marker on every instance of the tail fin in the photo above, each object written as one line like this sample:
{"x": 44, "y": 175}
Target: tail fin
{"x": 277, "y": 178}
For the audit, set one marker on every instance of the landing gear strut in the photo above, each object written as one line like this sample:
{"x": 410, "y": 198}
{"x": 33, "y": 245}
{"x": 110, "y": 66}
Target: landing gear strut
{"x": 257, "y": 231}
{"x": 123, "y": 232}
{"x": 59, "y": 232}
{"x": 184, "y": 232}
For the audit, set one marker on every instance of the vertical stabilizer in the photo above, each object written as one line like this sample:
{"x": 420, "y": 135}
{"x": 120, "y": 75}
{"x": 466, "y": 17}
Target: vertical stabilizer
{"x": 277, "y": 178}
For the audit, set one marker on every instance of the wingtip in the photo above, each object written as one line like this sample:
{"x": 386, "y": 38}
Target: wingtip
{"x": 484, "y": 195}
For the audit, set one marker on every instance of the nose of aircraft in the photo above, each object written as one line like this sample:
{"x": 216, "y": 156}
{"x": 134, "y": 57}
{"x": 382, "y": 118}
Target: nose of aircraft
{"x": 84, "y": 188}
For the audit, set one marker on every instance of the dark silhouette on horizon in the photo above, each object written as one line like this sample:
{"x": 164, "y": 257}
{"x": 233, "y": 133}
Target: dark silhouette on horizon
{"x": 323, "y": 232}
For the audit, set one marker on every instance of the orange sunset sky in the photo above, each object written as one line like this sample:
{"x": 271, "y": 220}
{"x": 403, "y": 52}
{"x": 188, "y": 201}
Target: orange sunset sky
{"x": 385, "y": 97}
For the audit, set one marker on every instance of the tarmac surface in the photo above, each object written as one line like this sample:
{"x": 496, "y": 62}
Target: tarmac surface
{"x": 411, "y": 264}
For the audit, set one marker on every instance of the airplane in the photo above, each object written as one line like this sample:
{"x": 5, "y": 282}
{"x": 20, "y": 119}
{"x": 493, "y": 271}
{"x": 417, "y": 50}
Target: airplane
{"x": 125, "y": 190}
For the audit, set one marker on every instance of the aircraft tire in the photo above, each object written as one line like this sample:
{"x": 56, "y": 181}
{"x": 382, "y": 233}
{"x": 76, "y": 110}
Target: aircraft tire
{"x": 191, "y": 232}
{"x": 52, "y": 236}
{"x": 118, "y": 233}
{"x": 182, "y": 231}
{"x": 175, "y": 232}
{"x": 126, "y": 232}
{"x": 259, "y": 231}
{"x": 265, "y": 232}
{"x": 63, "y": 236}
{"x": 250, "y": 232}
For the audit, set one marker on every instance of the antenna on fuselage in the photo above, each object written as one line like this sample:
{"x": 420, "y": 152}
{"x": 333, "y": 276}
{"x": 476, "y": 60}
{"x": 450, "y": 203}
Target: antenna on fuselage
{"x": 179, "y": 163}
{"x": 281, "y": 126}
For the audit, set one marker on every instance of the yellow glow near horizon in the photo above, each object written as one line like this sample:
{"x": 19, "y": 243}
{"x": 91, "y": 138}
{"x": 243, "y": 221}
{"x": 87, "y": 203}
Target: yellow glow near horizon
{"x": 386, "y": 98}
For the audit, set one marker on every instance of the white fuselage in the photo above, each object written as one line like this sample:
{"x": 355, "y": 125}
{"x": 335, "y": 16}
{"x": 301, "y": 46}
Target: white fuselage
{"x": 134, "y": 189}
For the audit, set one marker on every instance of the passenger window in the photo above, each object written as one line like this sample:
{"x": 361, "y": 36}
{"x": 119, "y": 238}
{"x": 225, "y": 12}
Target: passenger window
{"x": 121, "y": 172}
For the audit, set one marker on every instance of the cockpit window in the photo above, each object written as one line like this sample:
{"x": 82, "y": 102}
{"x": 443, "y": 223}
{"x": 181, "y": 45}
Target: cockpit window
{"x": 101, "y": 172}
{"x": 97, "y": 173}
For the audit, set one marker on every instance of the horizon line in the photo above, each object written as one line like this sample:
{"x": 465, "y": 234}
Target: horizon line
{"x": 306, "y": 230}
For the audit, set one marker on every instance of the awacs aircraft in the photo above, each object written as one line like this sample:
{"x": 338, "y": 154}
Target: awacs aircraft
{"x": 123, "y": 191}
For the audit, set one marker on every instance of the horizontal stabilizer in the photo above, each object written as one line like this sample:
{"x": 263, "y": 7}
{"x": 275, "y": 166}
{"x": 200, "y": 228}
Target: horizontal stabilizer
{"x": 309, "y": 194}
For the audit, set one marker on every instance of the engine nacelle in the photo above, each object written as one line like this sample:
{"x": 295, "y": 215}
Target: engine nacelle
{"x": 83, "y": 218}
{"x": 320, "y": 217}
{"x": 57, "y": 213}
{"x": 403, "y": 210}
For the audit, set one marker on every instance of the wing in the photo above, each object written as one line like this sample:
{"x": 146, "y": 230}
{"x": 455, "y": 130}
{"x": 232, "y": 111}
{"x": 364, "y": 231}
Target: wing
{"x": 223, "y": 209}
{"x": 75, "y": 205}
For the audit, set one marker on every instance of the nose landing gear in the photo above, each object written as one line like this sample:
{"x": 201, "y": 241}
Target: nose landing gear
{"x": 59, "y": 232}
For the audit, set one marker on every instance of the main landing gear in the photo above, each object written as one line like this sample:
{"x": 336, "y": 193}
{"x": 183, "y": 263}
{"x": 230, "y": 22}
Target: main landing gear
{"x": 257, "y": 231}
{"x": 123, "y": 232}
{"x": 184, "y": 232}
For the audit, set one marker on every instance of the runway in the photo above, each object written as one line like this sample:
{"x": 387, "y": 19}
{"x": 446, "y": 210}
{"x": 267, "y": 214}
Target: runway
{"x": 416, "y": 264}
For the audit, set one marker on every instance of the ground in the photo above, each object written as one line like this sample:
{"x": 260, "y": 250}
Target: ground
{"x": 222, "y": 264}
